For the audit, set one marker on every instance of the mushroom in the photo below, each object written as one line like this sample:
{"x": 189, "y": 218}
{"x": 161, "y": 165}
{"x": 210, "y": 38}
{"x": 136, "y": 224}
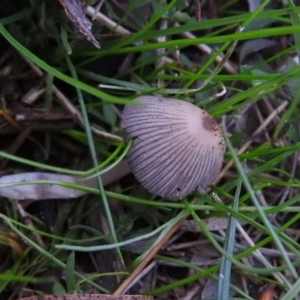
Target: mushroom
{"x": 177, "y": 147}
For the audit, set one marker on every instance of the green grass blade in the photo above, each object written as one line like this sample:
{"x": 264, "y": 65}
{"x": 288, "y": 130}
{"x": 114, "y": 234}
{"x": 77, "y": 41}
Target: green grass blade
{"x": 70, "y": 273}
{"x": 225, "y": 269}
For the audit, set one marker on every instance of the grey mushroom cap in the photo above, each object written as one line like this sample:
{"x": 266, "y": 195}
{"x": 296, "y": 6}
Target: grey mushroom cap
{"x": 177, "y": 147}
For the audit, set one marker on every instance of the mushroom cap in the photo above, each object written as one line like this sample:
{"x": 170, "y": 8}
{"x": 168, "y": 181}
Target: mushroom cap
{"x": 177, "y": 147}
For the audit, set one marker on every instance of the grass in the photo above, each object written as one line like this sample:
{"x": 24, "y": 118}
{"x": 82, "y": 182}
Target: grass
{"x": 104, "y": 241}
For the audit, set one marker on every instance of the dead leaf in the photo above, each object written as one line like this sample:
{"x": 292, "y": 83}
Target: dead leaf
{"x": 212, "y": 224}
{"x": 255, "y": 45}
{"x": 266, "y": 293}
{"x": 9, "y": 238}
{"x": 76, "y": 15}
{"x": 211, "y": 287}
{"x": 9, "y": 118}
{"x": 14, "y": 186}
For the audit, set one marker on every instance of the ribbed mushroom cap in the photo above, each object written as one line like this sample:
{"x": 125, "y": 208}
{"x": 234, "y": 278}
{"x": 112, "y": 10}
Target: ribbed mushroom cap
{"x": 177, "y": 147}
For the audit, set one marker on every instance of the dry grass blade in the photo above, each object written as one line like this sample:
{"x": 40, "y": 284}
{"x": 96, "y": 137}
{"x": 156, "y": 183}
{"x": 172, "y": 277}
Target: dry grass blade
{"x": 135, "y": 273}
{"x": 101, "y": 18}
{"x": 89, "y": 297}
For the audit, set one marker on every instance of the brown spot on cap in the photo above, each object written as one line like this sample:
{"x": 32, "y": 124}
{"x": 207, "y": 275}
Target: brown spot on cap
{"x": 178, "y": 148}
{"x": 209, "y": 123}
